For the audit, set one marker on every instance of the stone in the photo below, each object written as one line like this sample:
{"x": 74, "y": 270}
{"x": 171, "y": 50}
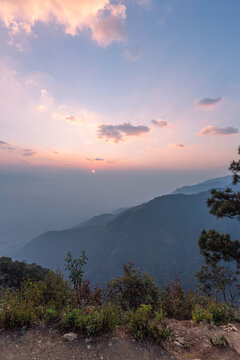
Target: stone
{"x": 178, "y": 344}
{"x": 70, "y": 337}
{"x": 88, "y": 340}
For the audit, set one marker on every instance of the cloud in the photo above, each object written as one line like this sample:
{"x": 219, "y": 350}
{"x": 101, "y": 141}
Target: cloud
{"x": 160, "y": 123}
{"x": 94, "y": 160}
{"x": 73, "y": 119}
{"x": 104, "y": 20}
{"x": 118, "y": 132}
{"x": 208, "y": 103}
{"x": 133, "y": 54}
{"x": 29, "y": 153}
{"x": 3, "y": 143}
{"x": 213, "y": 130}
{"x": 10, "y": 147}
{"x": 176, "y": 146}
{"x": 111, "y": 27}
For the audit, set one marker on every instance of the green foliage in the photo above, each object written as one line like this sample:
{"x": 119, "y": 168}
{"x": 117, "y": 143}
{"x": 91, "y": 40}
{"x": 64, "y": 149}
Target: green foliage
{"x": 14, "y": 273}
{"x": 218, "y": 279}
{"x": 219, "y": 341}
{"x": 94, "y": 320}
{"x": 175, "y": 303}
{"x": 217, "y": 312}
{"x": 221, "y": 313}
{"x": 16, "y": 313}
{"x": 57, "y": 291}
{"x": 200, "y": 314}
{"x": 143, "y": 324}
{"x": 51, "y": 315}
{"x": 75, "y": 269}
{"x": 217, "y": 247}
{"x": 31, "y": 304}
{"x": 132, "y": 289}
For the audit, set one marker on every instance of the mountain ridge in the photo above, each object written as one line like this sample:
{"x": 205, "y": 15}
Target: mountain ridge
{"x": 159, "y": 236}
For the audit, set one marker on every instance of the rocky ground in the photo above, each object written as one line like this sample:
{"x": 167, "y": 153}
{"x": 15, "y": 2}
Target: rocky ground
{"x": 201, "y": 342}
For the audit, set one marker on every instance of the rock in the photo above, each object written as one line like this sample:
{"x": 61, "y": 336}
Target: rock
{"x": 229, "y": 327}
{"x": 178, "y": 344}
{"x": 88, "y": 340}
{"x": 219, "y": 341}
{"x": 181, "y": 340}
{"x": 88, "y": 347}
{"x": 70, "y": 337}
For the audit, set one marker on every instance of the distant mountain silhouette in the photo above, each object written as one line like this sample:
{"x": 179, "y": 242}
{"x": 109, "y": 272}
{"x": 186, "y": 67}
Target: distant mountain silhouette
{"x": 159, "y": 236}
{"x": 217, "y": 183}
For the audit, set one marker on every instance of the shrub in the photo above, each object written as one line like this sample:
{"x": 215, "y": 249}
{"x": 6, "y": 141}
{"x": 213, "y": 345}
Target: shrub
{"x": 200, "y": 314}
{"x": 51, "y": 315}
{"x": 132, "y": 289}
{"x": 89, "y": 296}
{"x": 221, "y": 313}
{"x": 175, "y": 303}
{"x": 16, "y": 313}
{"x": 57, "y": 291}
{"x": 94, "y": 320}
{"x": 143, "y": 324}
{"x": 217, "y": 312}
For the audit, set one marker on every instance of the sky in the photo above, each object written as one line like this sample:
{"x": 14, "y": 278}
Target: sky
{"x": 110, "y": 85}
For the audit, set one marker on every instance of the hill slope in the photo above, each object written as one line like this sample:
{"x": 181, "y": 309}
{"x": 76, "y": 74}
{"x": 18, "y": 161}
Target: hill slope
{"x": 159, "y": 236}
{"x": 217, "y": 183}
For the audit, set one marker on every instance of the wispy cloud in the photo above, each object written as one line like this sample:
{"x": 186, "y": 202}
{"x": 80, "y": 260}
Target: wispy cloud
{"x": 22, "y": 151}
{"x": 73, "y": 119}
{"x": 208, "y": 103}
{"x": 118, "y": 133}
{"x": 28, "y": 152}
{"x": 176, "y": 146}
{"x": 160, "y": 123}
{"x": 3, "y": 143}
{"x": 213, "y": 130}
{"x": 105, "y": 20}
{"x": 94, "y": 159}
{"x": 133, "y": 54}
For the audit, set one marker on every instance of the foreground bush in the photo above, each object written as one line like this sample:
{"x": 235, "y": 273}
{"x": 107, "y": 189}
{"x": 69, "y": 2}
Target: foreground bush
{"x": 144, "y": 324}
{"x": 132, "y": 289}
{"x": 31, "y": 303}
{"x": 218, "y": 313}
{"x": 94, "y": 320}
{"x": 175, "y": 303}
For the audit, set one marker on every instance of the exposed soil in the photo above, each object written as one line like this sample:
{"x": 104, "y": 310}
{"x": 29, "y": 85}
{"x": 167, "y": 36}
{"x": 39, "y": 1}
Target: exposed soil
{"x": 37, "y": 344}
{"x": 188, "y": 342}
{"x": 203, "y": 341}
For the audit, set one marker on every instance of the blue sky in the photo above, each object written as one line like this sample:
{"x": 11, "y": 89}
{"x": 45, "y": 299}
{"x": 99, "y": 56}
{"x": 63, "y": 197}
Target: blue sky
{"x": 81, "y": 83}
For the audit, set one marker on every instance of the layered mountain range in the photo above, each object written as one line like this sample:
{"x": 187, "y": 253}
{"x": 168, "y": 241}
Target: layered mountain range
{"x": 159, "y": 236}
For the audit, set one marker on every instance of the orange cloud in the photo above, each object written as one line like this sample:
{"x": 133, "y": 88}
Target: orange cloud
{"x": 105, "y": 20}
{"x": 213, "y": 130}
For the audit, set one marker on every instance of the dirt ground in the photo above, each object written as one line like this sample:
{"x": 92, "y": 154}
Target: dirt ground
{"x": 189, "y": 342}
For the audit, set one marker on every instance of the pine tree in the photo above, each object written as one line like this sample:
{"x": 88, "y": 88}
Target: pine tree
{"x": 218, "y": 249}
